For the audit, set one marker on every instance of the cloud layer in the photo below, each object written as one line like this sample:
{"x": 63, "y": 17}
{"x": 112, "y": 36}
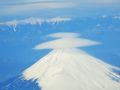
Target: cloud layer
{"x": 66, "y": 41}
{"x": 34, "y": 6}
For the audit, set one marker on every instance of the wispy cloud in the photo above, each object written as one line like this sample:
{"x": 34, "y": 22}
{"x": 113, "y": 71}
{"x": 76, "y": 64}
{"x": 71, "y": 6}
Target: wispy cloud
{"x": 32, "y": 6}
{"x": 96, "y": 1}
{"x": 52, "y": 8}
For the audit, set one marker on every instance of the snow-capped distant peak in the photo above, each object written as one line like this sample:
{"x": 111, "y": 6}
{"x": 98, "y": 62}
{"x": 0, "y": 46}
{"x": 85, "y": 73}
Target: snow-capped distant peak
{"x": 33, "y": 20}
{"x": 112, "y": 17}
{"x": 58, "y": 19}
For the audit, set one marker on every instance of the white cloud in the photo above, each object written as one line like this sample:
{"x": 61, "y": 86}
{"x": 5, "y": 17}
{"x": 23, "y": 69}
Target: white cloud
{"x": 64, "y": 35}
{"x": 96, "y": 1}
{"x": 35, "y": 6}
{"x": 66, "y": 41}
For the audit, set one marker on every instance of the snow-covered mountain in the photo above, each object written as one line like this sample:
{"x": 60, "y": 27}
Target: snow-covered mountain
{"x": 67, "y": 67}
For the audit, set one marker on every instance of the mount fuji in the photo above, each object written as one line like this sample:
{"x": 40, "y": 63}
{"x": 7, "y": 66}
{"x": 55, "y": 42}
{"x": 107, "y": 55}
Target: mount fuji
{"x": 67, "y": 67}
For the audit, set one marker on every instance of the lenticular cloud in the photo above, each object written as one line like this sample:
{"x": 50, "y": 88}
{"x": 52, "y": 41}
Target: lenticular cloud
{"x": 68, "y": 68}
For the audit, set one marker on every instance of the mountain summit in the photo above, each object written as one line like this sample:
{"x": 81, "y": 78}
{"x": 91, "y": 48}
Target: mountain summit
{"x": 67, "y": 67}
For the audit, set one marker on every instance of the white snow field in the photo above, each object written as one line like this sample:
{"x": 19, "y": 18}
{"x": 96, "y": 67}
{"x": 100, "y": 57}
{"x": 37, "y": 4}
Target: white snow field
{"x": 68, "y": 68}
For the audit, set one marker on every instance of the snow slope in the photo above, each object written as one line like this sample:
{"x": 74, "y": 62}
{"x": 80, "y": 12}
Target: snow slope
{"x": 69, "y": 68}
